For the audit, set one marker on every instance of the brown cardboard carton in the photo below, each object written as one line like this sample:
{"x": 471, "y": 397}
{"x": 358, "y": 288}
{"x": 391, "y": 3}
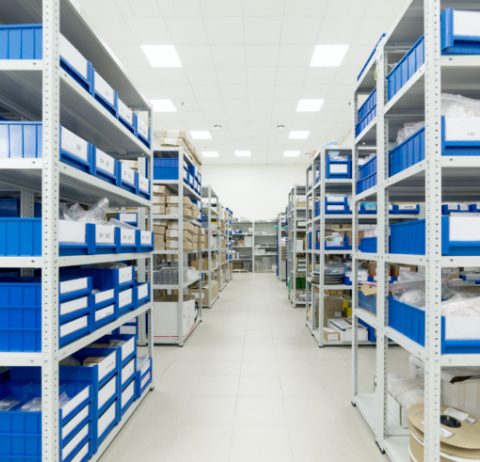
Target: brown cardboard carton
{"x": 333, "y": 307}
{"x": 158, "y": 209}
{"x": 159, "y": 190}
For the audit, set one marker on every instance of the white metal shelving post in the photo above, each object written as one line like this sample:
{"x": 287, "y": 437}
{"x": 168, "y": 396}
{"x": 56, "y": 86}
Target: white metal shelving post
{"x": 40, "y": 90}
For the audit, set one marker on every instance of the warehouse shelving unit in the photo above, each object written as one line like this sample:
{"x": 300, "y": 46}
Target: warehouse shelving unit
{"x": 319, "y": 185}
{"x": 243, "y": 231}
{"x": 41, "y": 90}
{"x": 211, "y": 216}
{"x": 230, "y": 252}
{"x": 179, "y": 258}
{"x": 264, "y": 246}
{"x": 296, "y": 232}
{"x": 433, "y": 180}
{"x": 281, "y": 246}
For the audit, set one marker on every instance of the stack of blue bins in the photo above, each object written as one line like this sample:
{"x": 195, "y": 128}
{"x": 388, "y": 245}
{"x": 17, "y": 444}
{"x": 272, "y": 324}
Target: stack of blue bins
{"x": 338, "y": 166}
{"x": 366, "y": 113}
{"x": 367, "y": 175}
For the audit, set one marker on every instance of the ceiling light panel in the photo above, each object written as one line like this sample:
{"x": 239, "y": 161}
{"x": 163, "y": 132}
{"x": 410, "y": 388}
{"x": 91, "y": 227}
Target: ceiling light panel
{"x": 163, "y": 105}
{"x": 210, "y": 154}
{"x": 243, "y": 153}
{"x": 200, "y": 134}
{"x": 328, "y": 55}
{"x": 292, "y": 153}
{"x": 309, "y": 105}
{"x": 299, "y": 134}
{"x": 161, "y": 55}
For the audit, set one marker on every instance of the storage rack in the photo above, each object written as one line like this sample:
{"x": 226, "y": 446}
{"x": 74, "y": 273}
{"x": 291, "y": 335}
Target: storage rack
{"x": 265, "y": 238}
{"x": 223, "y": 248}
{"x": 281, "y": 246}
{"x": 211, "y": 214}
{"x": 180, "y": 257}
{"x": 230, "y": 251}
{"x": 319, "y": 185}
{"x": 38, "y": 89}
{"x": 433, "y": 180}
{"x": 243, "y": 229}
{"x": 296, "y": 232}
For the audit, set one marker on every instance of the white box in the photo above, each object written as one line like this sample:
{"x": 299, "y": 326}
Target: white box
{"x": 124, "y": 112}
{"x": 74, "y": 58}
{"x": 103, "y": 89}
{"x": 165, "y": 318}
{"x": 344, "y": 327}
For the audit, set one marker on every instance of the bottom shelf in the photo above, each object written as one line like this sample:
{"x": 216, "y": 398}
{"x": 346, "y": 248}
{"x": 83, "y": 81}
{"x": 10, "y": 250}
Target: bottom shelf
{"x": 174, "y": 340}
{"x": 366, "y": 405}
{"x": 318, "y": 338}
{"x": 397, "y": 448}
{"x": 116, "y": 430}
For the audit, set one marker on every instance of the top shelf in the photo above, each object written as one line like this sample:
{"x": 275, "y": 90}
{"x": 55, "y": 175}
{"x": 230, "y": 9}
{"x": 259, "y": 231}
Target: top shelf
{"x": 76, "y": 29}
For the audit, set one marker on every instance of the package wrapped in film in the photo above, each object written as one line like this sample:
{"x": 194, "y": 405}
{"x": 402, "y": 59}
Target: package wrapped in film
{"x": 120, "y": 224}
{"x": 97, "y": 213}
{"x": 406, "y": 391}
{"x": 460, "y": 106}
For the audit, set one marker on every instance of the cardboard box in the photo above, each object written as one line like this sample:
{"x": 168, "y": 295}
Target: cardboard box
{"x": 344, "y": 327}
{"x": 159, "y": 242}
{"x": 159, "y": 210}
{"x": 175, "y": 200}
{"x": 159, "y": 228}
{"x": 330, "y": 335}
{"x": 165, "y": 316}
{"x": 195, "y": 264}
{"x": 158, "y": 190}
{"x": 159, "y": 200}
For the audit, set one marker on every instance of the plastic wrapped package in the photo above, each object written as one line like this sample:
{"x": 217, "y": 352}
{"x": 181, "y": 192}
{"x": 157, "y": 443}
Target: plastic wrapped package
{"x": 8, "y": 404}
{"x": 408, "y": 130}
{"x": 97, "y": 213}
{"x": 335, "y": 268}
{"x": 459, "y": 106}
{"x": 120, "y": 224}
{"x": 335, "y": 240}
{"x": 413, "y": 297}
{"x": 406, "y": 391}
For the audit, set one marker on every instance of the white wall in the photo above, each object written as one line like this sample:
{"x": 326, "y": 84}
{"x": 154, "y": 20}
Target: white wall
{"x": 255, "y": 192}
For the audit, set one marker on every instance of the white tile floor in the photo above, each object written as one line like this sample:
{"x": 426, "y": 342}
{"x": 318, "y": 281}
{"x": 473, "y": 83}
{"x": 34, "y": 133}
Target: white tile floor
{"x": 250, "y": 385}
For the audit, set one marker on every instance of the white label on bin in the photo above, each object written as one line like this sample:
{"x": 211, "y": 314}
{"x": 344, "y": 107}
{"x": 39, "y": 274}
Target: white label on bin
{"x": 142, "y": 291}
{"x": 104, "y": 312}
{"x": 125, "y": 112}
{"x": 128, "y": 329}
{"x": 80, "y": 456}
{"x": 125, "y": 274}
{"x": 128, "y": 348}
{"x": 75, "y": 422}
{"x": 407, "y": 207}
{"x": 104, "y": 234}
{"x": 145, "y": 367}
{"x": 338, "y": 168}
{"x": 73, "y": 326}
{"x": 185, "y": 174}
{"x": 73, "y": 285}
{"x": 72, "y": 404}
{"x": 143, "y": 184}
{"x": 127, "y": 236}
{"x": 464, "y": 227}
{"x": 145, "y": 380}
{"x": 74, "y": 145}
{"x": 125, "y": 298}
{"x": 104, "y": 296}
{"x": 335, "y": 207}
{"x": 146, "y": 237}
{"x": 106, "y": 419}
{"x": 73, "y": 305}
{"x": 104, "y": 162}
{"x": 127, "y": 175}
{"x": 142, "y": 127}
{"x": 103, "y": 89}
{"x": 72, "y": 232}
{"x": 127, "y": 394}
{"x": 75, "y": 441}
{"x": 107, "y": 365}
{"x": 128, "y": 217}
{"x": 462, "y": 128}
{"x": 462, "y": 327}
{"x": 128, "y": 371}
{"x": 73, "y": 57}
{"x": 107, "y": 391}
{"x": 465, "y": 23}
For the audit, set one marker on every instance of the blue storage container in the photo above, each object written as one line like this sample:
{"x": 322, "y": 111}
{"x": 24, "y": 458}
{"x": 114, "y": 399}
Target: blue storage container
{"x": 126, "y": 239}
{"x": 21, "y": 41}
{"x": 367, "y": 208}
{"x": 143, "y": 186}
{"x": 362, "y": 124}
{"x": 111, "y": 278}
{"x": 366, "y": 113}
{"x": 367, "y": 302}
{"x": 103, "y": 166}
{"x": 74, "y": 150}
{"x": 142, "y": 131}
{"x": 367, "y": 175}
{"x": 345, "y": 245}
{"x": 368, "y": 244}
{"x": 126, "y": 177}
{"x": 129, "y": 218}
{"x": 141, "y": 294}
{"x": 75, "y": 64}
{"x": 456, "y": 208}
{"x": 101, "y": 239}
{"x": 408, "y": 153}
{"x": 128, "y": 396}
{"x": 399, "y": 209}
{"x": 457, "y": 42}
{"x": 372, "y": 332}
{"x": 20, "y": 140}
{"x": 103, "y": 92}
{"x": 125, "y": 115}
{"x": 165, "y": 168}
{"x": 317, "y": 209}
{"x": 409, "y": 238}
{"x": 144, "y": 241}
{"x": 337, "y": 205}
{"x": 125, "y": 300}
{"x": 21, "y": 430}
{"x": 144, "y": 376}
{"x": 411, "y": 62}
{"x": 104, "y": 308}
{"x": 124, "y": 344}
{"x": 370, "y": 57}
{"x": 20, "y": 237}
{"x": 9, "y": 207}
{"x": 338, "y": 166}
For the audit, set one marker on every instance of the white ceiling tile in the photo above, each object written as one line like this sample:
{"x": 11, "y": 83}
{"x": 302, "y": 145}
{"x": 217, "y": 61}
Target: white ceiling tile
{"x": 210, "y": 104}
{"x": 187, "y": 31}
{"x": 262, "y": 30}
{"x": 109, "y": 31}
{"x": 130, "y": 56}
{"x": 261, "y": 91}
{"x": 291, "y": 75}
{"x": 225, "y": 30}
{"x": 149, "y": 30}
{"x": 390, "y": 9}
{"x": 339, "y": 9}
{"x": 295, "y": 55}
{"x": 103, "y": 9}
{"x": 178, "y": 92}
{"x": 180, "y": 8}
{"x": 232, "y": 75}
{"x": 261, "y": 55}
{"x": 195, "y": 55}
{"x": 261, "y": 75}
{"x": 320, "y": 75}
{"x": 228, "y": 55}
{"x": 207, "y": 91}
{"x": 233, "y": 91}
{"x": 289, "y": 92}
{"x": 300, "y": 30}
{"x": 147, "y": 8}
{"x": 305, "y": 7}
{"x": 333, "y": 31}
{"x": 221, "y": 7}
{"x": 264, "y": 7}
{"x": 201, "y": 76}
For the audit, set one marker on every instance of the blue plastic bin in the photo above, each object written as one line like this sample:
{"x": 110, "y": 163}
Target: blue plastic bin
{"x": 368, "y": 245}
{"x": 345, "y": 245}
{"x": 101, "y": 239}
{"x": 143, "y": 186}
{"x": 406, "y": 68}
{"x": 454, "y": 43}
{"x": 144, "y": 377}
{"x": 367, "y": 302}
{"x": 142, "y": 131}
{"x": 126, "y": 177}
{"x": 144, "y": 241}
{"x": 367, "y": 208}
{"x": 126, "y": 240}
{"x": 338, "y": 167}
{"x": 408, "y": 153}
{"x": 103, "y": 166}
{"x": 9, "y": 207}
{"x": 21, "y": 41}
{"x": 128, "y": 395}
{"x": 367, "y": 112}
{"x": 69, "y": 60}
{"x": 335, "y": 205}
{"x": 104, "y": 93}
{"x": 74, "y": 150}
{"x": 20, "y": 140}
{"x": 362, "y": 124}
{"x": 165, "y": 168}
{"x": 129, "y": 218}
{"x": 125, "y": 300}
{"x": 367, "y": 175}
{"x": 141, "y": 294}
{"x": 370, "y": 57}
{"x": 398, "y": 209}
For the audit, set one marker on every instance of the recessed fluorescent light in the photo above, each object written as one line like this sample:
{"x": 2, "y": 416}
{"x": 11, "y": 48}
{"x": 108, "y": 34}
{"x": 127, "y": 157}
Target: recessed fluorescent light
{"x": 210, "y": 154}
{"x": 161, "y": 55}
{"x": 309, "y": 105}
{"x": 200, "y": 134}
{"x": 328, "y": 55}
{"x": 299, "y": 135}
{"x": 291, "y": 153}
{"x": 163, "y": 105}
{"x": 243, "y": 153}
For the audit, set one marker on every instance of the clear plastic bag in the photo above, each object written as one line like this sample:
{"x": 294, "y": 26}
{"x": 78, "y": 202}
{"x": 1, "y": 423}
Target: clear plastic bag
{"x": 335, "y": 268}
{"x": 96, "y": 214}
{"x": 459, "y": 106}
{"x": 413, "y": 297}
{"x": 408, "y": 130}
{"x": 120, "y": 224}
